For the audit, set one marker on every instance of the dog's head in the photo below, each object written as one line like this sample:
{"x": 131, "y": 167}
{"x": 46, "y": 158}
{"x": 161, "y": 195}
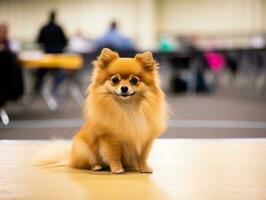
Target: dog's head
{"x": 124, "y": 78}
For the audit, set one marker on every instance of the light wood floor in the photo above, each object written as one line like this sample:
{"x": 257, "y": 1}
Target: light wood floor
{"x": 183, "y": 169}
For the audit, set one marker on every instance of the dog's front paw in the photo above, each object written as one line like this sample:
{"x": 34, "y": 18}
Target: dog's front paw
{"x": 117, "y": 170}
{"x": 96, "y": 168}
{"x": 145, "y": 169}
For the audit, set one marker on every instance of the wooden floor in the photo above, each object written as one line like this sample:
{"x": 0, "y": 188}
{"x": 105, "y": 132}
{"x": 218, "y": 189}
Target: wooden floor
{"x": 207, "y": 169}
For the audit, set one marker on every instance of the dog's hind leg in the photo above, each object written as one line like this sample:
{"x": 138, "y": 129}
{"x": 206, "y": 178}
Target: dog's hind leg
{"x": 83, "y": 155}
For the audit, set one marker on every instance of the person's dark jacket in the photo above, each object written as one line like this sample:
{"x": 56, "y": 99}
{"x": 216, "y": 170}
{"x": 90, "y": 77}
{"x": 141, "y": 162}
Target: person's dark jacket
{"x": 52, "y": 38}
{"x": 11, "y": 82}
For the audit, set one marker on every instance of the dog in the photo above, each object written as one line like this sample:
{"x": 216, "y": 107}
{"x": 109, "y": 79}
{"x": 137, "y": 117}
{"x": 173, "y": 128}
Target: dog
{"x": 124, "y": 111}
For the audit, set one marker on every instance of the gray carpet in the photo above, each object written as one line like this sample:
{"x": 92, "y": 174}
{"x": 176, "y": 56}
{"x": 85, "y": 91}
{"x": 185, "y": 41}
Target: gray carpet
{"x": 217, "y": 115}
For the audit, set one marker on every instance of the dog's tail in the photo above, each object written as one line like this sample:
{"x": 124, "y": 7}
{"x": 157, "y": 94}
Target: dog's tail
{"x": 54, "y": 154}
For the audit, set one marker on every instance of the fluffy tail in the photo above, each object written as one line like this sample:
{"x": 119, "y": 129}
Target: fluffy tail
{"x": 54, "y": 154}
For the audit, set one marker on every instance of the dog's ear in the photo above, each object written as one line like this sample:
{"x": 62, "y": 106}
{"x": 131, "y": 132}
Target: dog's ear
{"x": 106, "y": 57}
{"x": 146, "y": 59}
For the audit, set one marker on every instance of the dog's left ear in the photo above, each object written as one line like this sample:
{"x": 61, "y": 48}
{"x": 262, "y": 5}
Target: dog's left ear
{"x": 146, "y": 59}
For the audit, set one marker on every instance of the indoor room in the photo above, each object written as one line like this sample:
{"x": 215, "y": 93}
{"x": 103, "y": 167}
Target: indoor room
{"x": 127, "y": 99}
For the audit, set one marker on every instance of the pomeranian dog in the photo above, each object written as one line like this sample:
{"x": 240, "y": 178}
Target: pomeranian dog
{"x": 124, "y": 110}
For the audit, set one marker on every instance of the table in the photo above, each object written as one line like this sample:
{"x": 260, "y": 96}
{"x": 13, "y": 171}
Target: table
{"x": 204, "y": 169}
{"x": 52, "y": 61}
{"x": 71, "y": 62}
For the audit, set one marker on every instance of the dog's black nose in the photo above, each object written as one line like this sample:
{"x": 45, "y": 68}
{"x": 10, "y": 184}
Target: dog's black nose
{"x": 124, "y": 89}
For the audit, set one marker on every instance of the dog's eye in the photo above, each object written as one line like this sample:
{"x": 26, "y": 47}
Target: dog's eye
{"x": 115, "y": 80}
{"x": 134, "y": 81}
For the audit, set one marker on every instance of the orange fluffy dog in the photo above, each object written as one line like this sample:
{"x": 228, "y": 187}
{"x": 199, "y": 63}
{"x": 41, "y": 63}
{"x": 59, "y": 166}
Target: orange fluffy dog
{"x": 124, "y": 111}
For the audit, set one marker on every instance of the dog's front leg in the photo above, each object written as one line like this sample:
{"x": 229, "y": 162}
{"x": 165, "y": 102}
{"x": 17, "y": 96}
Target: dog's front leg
{"x": 111, "y": 154}
{"x": 143, "y": 158}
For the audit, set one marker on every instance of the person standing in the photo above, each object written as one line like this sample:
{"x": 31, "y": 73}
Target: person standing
{"x": 53, "y": 40}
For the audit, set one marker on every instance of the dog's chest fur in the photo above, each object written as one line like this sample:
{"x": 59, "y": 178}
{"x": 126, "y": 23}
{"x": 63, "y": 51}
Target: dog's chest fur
{"x": 132, "y": 123}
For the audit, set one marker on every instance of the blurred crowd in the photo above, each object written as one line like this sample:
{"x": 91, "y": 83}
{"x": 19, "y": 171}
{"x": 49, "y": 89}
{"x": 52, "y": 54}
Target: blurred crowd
{"x": 51, "y": 39}
{"x": 196, "y": 64}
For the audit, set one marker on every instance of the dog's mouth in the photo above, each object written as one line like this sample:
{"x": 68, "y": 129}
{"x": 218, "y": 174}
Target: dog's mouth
{"x": 126, "y": 95}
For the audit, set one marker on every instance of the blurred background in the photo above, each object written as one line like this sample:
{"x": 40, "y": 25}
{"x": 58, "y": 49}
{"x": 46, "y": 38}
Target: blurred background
{"x": 212, "y": 57}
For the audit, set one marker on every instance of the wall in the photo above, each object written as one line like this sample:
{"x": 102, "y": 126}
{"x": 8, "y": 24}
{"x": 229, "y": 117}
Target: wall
{"x": 210, "y": 16}
{"x": 263, "y": 12}
{"x": 142, "y": 20}
{"x": 92, "y": 17}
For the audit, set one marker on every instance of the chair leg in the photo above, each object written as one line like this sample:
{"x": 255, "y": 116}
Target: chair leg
{"x": 76, "y": 94}
{"x": 4, "y": 117}
{"x": 74, "y": 88}
{"x": 49, "y": 99}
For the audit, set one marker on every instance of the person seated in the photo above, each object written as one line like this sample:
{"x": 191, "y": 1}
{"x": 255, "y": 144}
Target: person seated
{"x": 114, "y": 40}
{"x": 4, "y": 42}
{"x": 79, "y": 44}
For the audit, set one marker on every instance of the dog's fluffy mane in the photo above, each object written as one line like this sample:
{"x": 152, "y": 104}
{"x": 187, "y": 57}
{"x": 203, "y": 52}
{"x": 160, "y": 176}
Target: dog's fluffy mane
{"x": 130, "y": 118}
